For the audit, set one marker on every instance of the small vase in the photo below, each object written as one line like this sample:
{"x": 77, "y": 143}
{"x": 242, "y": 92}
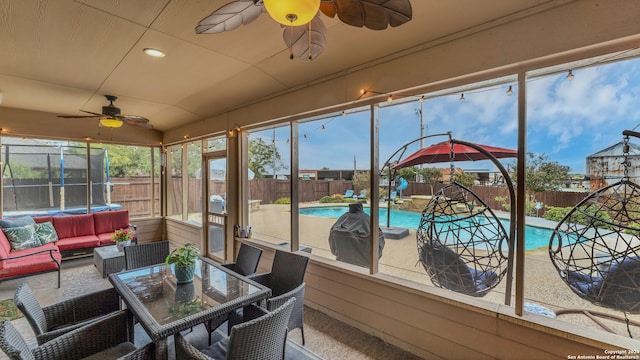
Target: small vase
{"x": 184, "y": 274}
{"x": 121, "y": 244}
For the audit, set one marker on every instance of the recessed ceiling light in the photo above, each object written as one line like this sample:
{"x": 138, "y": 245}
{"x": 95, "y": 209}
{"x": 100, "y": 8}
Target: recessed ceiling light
{"x": 154, "y": 52}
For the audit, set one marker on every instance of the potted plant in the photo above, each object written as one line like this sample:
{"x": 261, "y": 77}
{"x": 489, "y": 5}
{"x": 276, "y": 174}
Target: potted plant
{"x": 184, "y": 261}
{"x": 123, "y": 237}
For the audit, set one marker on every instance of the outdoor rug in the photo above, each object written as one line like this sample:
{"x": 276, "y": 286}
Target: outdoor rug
{"x": 8, "y": 310}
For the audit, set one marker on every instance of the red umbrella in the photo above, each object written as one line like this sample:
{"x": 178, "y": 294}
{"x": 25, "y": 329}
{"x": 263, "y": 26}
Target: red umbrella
{"x": 441, "y": 152}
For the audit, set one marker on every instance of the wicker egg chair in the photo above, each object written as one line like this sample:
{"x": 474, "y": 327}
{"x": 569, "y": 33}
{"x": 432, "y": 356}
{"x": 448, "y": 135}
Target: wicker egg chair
{"x": 596, "y": 250}
{"x": 461, "y": 243}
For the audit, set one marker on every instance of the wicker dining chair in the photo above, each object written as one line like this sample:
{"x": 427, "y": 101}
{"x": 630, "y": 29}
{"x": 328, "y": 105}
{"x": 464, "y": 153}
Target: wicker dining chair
{"x": 54, "y": 320}
{"x": 286, "y": 281}
{"x": 146, "y": 254}
{"x": 246, "y": 261}
{"x": 262, "y": 335}
{"x": 107, "y": 338}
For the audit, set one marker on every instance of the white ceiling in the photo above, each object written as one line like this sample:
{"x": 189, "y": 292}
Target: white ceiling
{"x": 60, "y": 56}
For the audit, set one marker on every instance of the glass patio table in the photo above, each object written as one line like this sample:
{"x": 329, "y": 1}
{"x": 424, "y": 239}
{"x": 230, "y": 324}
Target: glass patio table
{"x": 165, "y": 308}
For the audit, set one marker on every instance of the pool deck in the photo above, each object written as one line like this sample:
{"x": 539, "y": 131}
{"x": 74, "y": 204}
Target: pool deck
{"x": 400, "y": 259}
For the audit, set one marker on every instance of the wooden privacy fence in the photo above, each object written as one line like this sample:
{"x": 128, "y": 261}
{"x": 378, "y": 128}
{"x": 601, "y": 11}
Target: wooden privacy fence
{"x": 135, "y": 194}
{"x": 269, "y": 190}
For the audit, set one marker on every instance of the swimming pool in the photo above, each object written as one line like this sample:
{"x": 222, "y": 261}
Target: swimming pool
{"x": 536, "y": 237}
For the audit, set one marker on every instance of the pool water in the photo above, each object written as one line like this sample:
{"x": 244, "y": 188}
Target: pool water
{"x": 536, "y": 237}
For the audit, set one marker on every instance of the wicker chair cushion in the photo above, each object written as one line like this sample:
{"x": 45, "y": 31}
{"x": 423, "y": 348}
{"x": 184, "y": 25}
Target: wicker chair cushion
{"x": 615, "y": 287}
{"x": 217, "y": 350}
{"x": 451, "y": 272}
{"x": 114, "y": 352}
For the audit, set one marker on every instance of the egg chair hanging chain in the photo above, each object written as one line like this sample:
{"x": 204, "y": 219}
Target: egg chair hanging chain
{"x": 625, "y": 155}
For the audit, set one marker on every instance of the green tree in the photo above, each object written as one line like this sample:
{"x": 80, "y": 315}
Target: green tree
{"x": 542, "y": 174}
{"x": 361, "y": 181}
{"x": 465, "y": 179}
{"x": 127, "y": 161}
{"x": 264, "y": 158}
{"x": 431, "y": 176}
{"x": 408, "y": 173}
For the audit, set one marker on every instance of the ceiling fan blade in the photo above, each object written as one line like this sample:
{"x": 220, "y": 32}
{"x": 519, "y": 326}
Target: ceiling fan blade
{"x": 81, "y": 116}
{"x": 92, "y": 113}
{"x": 297, "y": 39}
{"x": 132, "y": 118}
{"x": 77, "y": 116}
{"x": 372, "y": 14}
{"x": 230, "y": 17}
{"x": 135, "y": 120}
{"x": 139, "y": 124}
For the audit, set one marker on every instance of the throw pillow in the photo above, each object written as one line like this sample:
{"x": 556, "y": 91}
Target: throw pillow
{"x": 23, "y": 237}
{"x": 17, "y": 222}
{"x": 45, "y": 232}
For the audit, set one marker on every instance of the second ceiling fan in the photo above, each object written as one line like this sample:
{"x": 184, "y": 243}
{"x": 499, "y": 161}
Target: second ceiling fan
{"x": 111, "y": 116}
{"x": 304, "y": 31}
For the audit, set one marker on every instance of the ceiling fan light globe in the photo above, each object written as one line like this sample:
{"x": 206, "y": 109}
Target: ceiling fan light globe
{"x": 292, "y": 12}
{"x": 111, "y": 122}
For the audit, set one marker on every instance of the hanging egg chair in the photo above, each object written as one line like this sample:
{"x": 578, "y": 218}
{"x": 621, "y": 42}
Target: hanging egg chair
{"x": 461, "y": 243}
{"x": 596, "y": 249}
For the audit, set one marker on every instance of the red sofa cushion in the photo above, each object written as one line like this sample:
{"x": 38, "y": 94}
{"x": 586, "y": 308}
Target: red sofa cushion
{"x": 43, "y": 219}
{"x": 105, "y": 239}
{"x": 74, "y": 226}
{"x": 78, "y": 242}
{"x": 30, "y": 264}
{"x": 108, "y": 221}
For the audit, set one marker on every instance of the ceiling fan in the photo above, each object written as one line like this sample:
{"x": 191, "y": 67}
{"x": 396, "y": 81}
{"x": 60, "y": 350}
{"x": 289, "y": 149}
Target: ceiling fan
{"x": 304, "y": 31}
{"x": 112, "y": 117}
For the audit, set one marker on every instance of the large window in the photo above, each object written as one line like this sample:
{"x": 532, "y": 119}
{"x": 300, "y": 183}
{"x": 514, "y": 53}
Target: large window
{"x": 54, "y": 177}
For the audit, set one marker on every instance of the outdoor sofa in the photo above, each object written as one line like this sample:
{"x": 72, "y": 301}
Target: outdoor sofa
{"x": 46, "y": 240}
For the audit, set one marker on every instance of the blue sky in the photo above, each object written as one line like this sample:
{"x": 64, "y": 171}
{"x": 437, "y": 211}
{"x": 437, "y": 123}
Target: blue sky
{"x": 566, "y": 119}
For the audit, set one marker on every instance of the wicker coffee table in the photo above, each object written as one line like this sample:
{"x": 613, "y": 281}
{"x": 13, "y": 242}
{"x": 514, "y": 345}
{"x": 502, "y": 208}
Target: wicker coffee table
{"x": 108, "y": 260}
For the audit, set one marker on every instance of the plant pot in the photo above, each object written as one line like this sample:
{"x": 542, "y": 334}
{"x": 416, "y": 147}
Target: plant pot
{"x": 121, "y": 244}
{"x": 184, "y": 274}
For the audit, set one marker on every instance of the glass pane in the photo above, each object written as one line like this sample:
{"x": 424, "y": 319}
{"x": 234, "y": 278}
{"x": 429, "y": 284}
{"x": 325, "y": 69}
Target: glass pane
{"x": 217, "y": 143}
{"x": 462, "y": 231}
{"x": 269, "y": 203}
{"x": 572, "y": 123}
{"x": 44, "y": 177}
{"x": 217, "y": 185}
{"x": 174, "y": 185}
{"x": 157, "y": 161}
{"x": 194, "y": 178}
{"x": 126, "y": 178}
{"x": 217, "y": 205}
{"x": 335, "y": 173}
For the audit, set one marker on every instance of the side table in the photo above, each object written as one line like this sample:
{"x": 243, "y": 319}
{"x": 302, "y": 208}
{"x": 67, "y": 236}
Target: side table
{"x": 108, "y": 260}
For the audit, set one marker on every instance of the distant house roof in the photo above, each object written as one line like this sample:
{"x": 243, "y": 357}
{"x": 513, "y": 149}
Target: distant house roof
{"x": 616, "y": 150}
